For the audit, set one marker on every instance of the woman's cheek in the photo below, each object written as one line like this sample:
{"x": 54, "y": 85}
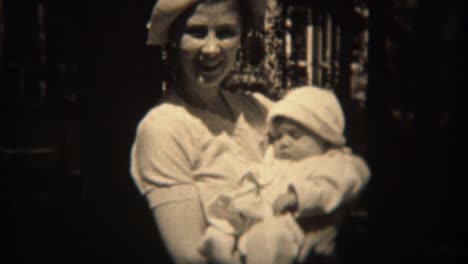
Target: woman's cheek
{"x": 231, "y": 47}
{"x": 190, "y": 44}
{"x": 231, "y": 44}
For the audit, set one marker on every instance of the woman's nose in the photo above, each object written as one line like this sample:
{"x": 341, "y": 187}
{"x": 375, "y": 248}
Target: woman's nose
{"x": 211, "y": 45}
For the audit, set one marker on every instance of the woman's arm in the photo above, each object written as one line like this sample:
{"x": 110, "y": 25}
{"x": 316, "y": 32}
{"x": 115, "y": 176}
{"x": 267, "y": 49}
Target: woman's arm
{"x": 161, "y": 168}
{"x": 181, "y": 225}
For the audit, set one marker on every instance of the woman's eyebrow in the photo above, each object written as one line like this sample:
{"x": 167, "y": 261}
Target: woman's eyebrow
{"x": 196, "y": 24}
{"x": 202, "y": 24}
{"x": 227, "y": 25}
{"x": 229, "y": 22}
{"x": 197, "y": 20}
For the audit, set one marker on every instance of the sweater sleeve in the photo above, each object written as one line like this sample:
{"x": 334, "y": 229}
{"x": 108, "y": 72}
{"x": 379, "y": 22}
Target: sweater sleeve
{"x": 339, "y": 179}
{"x": 161, "y": 164}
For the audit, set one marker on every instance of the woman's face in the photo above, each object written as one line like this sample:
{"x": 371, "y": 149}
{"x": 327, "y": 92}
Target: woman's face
{"x": 209, "y": 43}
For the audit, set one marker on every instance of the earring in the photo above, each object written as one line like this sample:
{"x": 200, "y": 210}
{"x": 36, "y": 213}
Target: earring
{"x": 239, "y": 59}
{"x": 169, "y": 75}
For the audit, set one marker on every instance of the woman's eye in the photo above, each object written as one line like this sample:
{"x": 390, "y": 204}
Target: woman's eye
{"x": 196, "y": 32}
{"x": 226, "y": 33}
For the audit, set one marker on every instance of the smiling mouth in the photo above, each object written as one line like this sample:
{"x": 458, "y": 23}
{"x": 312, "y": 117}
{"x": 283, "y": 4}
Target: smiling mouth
{"x": 210, "y": 68}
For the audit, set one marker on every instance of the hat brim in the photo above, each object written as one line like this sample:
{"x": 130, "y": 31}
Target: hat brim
{"x": 165, "y": 12}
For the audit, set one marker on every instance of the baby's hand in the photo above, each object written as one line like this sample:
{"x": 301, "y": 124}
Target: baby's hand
{"x": 286, "y": 202}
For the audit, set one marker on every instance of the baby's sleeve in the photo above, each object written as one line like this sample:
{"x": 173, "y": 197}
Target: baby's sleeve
{"x": 339, "y": 179}
{"x": 161, "y": 165}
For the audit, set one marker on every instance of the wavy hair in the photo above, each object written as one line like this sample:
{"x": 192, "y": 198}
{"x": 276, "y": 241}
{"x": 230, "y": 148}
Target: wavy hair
{"x": 249, "y": 57}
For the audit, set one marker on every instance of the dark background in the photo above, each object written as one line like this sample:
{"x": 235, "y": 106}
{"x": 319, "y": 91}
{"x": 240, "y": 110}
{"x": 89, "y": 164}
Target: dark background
{"x": 415, "y": 199}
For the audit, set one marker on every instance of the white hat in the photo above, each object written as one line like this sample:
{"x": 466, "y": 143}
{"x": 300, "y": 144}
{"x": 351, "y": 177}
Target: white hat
{"x": 165, "y": 13}
{"x": 316, "y": 109}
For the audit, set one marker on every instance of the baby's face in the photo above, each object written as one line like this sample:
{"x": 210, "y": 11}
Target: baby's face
{"x": 292, "y": 141}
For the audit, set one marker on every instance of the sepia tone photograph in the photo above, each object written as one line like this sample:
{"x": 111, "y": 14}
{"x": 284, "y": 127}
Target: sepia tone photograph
{"x": 233, "y": 131}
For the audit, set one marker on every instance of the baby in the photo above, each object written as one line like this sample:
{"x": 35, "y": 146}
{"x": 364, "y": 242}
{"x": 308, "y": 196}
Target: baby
{"x": 307, "y": 173}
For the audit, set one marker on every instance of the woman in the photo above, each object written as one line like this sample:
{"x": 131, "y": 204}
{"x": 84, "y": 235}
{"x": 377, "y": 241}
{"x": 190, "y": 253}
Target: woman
{"x": 199, "y": 137}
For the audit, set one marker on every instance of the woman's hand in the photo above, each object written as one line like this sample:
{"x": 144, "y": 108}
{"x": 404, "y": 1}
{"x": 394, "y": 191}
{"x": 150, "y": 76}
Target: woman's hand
{"x": 286, "y": 202}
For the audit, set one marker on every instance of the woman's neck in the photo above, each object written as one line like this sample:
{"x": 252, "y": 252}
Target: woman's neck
{"x": 197, "y": 94}
{"x": 204, "y": 97}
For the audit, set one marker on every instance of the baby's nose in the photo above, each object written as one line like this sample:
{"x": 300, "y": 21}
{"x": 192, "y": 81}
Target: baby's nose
{"x": 284, "y": 141}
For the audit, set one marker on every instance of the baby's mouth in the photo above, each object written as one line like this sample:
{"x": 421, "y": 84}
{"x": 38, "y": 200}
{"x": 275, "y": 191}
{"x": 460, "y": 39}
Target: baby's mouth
{"x": 283, "y": 155}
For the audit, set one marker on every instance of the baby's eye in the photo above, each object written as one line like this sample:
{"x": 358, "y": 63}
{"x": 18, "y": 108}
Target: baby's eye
{"x": 271, "y": 138}
{"x": 196, "y": 31}
{"x": 295, "y": 134}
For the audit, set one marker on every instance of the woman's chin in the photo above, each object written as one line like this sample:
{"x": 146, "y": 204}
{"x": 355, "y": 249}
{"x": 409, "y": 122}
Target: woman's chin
{"x": 210, "y": 78}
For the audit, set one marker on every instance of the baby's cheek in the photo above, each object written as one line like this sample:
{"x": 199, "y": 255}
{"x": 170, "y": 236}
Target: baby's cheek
{"x": 305, "y": 151}
{"x": 275, "y": 147}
